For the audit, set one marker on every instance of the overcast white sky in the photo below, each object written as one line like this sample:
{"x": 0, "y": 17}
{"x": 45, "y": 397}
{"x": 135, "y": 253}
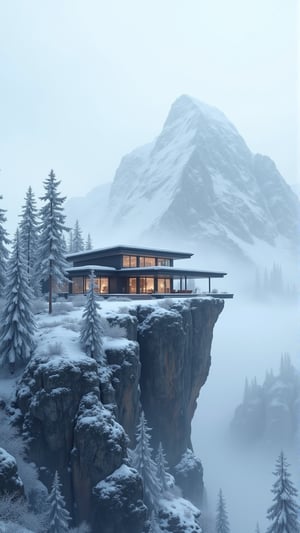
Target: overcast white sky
{"x": 85, "y": 81}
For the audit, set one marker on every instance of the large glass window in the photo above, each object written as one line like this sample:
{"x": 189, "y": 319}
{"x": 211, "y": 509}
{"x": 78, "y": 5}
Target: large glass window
{"x": 100, "y": 285}
{"x": 164, "y": 285}
{"x": 147, "y": 261}
{"x": 129, "y": 261}
{"x": 132, "y": 286}
{"x": 162, "y": 261}
{"x": 147, "y": 285}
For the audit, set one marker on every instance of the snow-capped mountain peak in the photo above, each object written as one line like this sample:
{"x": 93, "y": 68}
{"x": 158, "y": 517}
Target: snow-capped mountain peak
{"x": 200, "y": 181}
{"x": 197, "y": 185}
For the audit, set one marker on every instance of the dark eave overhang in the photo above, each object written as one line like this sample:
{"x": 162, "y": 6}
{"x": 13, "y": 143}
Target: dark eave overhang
{"x": 169, "y": 272}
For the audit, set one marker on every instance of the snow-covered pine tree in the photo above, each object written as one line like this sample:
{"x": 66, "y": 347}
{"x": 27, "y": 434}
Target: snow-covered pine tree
{"x": 70, "y": 242}
{"x": 141, "y": 460}
{"x": 91, "y": 333}
{"x": 89, "y": 244}
{"x": 53, "y": 265}
{"x": 162, "y": 468}
{"x": 222, "y": 523}
{"x": 4, "y": 240}
{"x": 154, "y": 526}
{"x": 30, "y": 238}
{"x": 77, "y": 239}
{"x": 17, "y": 321}
{"x": 284, "y": 512}
{"x": 58, "y": 516}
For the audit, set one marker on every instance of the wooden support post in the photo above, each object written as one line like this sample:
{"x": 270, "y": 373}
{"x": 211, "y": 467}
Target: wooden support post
{"x": 209, "y": 286}
{"x": 185, "y": 285}
{"x": 180, "y": 284}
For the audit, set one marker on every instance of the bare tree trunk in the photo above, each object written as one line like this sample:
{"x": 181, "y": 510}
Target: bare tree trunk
{"x": 50, "y": 288}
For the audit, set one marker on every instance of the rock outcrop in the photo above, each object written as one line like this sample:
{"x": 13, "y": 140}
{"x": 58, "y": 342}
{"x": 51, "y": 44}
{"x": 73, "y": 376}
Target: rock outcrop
{"x": 70, "y": 430}
{"x": 269, "y": 413}
{"x": 79, "y": 419}
{"x": 10, "y": 482}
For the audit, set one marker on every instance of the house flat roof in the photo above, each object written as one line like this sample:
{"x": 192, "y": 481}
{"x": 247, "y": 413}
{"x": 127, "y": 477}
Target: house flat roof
{"x": 89, "y": 268}
{"x": 130, "y": 250}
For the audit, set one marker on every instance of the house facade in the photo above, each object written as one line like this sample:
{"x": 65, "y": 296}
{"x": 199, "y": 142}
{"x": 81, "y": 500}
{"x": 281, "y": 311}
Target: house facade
{"x": 130, "y": 270}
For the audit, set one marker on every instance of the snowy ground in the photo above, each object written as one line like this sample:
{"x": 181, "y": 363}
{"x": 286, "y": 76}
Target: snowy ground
{"x": 248, "y": 340}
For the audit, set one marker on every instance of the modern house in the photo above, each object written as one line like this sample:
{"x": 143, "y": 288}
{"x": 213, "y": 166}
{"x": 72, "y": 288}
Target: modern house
{"x": 130, "y": 270}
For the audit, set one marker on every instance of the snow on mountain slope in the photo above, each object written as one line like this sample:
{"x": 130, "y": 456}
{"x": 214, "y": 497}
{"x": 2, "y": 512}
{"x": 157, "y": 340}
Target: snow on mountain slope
{"x": 199, "y": 181}
{"x": 88, "y": 210}
{"x": 196, "y": 186}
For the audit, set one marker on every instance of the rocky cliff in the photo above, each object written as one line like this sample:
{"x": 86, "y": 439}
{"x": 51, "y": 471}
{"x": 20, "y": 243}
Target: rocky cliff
{"x": 79, "y": 419}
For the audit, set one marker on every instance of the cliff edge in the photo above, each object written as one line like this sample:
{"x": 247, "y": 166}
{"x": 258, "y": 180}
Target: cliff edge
{"x": 80, "y": 419}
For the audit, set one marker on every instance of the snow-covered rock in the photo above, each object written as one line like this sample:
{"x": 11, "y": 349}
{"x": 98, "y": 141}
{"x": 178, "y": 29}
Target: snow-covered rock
{"x": 179, "y": 516}
{"x": 10, "y": 482}
{"x": 119, "y": 501}
{"x": 189, "y": 476}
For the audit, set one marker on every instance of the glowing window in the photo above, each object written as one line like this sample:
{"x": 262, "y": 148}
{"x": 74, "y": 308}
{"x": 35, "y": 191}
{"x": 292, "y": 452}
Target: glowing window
{"x": 162, "y": 261}
{"x": 100, "y": 285}
{"x": 146, "y": 285}
{"x": 129, "y": 261}
{"x": 164, "y": 285}
{"x": 147, "y": 261}
{"x": 132, "y": 285}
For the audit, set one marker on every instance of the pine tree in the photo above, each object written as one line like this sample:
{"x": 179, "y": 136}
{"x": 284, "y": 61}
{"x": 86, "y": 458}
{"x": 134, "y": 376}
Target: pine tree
{"x": 257, "y": 529}
{"x": 53, "y": 265}
{"x": 17, "y": 322}
{"x": 287, "y": 371}
{"x": 77, "y": 239}
{"x": 283, "y": 514}
{"x": 58, "y": 516}
{"x": 91, "y": 330}
{"x": 162, "y": 468}
{"x": 141, "y": 460}
{"x": 88, "y": 244}
{"x": 222, "y": 523}
{"x": 29, "y": 238}
{"x": 70, "y": 242}
{"x": 154, "y": 527}
{"x": 3, "y": 250}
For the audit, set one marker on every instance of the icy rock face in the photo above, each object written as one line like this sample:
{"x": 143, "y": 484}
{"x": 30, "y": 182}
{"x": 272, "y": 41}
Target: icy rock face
{"x": 175, "y": 348}
{"x": 49, "y": 396}
{"x": 68, "y": 426}
{"x": 199, "y": 181}
{"x": 125, "y": 367}
{"x": 10, "y": 482}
